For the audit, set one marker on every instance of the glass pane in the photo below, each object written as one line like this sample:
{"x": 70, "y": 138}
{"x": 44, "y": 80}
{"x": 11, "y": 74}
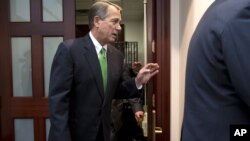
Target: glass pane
{"x": 21, "y": 65}
{"x": 52, "y": 10}
{"x": 47, "y": 128}
{"x": 24, "y": 129}
{"x": 49, "y": 49}
{"x": 20, "y": 10}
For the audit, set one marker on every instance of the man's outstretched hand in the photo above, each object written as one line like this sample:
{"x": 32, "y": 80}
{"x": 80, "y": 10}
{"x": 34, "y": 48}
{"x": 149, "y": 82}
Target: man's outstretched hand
{"x": 145, "y": 73}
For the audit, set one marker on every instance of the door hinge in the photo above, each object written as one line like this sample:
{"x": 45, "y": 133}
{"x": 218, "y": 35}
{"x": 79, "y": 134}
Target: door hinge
{"x": 153, "y": 46}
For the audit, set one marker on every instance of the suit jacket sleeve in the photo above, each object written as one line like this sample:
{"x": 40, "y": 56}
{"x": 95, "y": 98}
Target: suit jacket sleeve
{"x": 127, "y": 87}
{"x": 136, "y": 104}
{"x": 236, "y": 49}
{"x": 59, "y": 90}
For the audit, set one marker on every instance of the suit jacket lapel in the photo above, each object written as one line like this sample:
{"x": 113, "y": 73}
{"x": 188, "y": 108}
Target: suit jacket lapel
{"x": 111, "y": 66}
{"x": 93, "y": 62}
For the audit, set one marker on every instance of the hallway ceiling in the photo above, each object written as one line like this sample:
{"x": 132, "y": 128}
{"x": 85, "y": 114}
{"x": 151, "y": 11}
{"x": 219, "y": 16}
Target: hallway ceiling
{"x": 132, "y": 9}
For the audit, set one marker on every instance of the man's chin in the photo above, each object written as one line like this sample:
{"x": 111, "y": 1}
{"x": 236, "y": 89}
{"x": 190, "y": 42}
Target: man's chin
{"x": 112, "y": 40}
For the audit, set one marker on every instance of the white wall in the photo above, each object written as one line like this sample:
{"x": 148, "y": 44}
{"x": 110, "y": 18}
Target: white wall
{"x": 134, "y": 31}
{"x": 185, "y": 14}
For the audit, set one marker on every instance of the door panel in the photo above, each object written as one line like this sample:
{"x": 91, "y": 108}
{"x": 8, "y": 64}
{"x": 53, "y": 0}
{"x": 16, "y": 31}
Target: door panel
{"x": 28, "y": 30}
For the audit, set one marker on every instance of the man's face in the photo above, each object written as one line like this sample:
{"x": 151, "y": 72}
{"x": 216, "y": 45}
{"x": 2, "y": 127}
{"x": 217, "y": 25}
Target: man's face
{"x": 110, "y": 26}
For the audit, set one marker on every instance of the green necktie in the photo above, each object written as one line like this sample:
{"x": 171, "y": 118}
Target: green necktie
{"x": 103, "y": 63}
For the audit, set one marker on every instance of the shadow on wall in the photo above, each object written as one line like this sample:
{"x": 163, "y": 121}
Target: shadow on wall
{"x": 185, "y": 12}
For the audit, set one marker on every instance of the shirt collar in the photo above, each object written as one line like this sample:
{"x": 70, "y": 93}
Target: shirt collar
{"x": 97, "y": 45}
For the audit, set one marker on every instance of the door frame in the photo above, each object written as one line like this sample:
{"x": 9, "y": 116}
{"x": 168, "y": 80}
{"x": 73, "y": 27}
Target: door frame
{"x": 158, "y": 50}
{"x": 4, "y": 83}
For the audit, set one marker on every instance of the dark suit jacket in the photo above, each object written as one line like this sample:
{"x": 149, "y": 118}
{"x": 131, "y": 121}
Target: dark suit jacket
{"x": 218, "y": 73}
{"x": 77, "y": 103}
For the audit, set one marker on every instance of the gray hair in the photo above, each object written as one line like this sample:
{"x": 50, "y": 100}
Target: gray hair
{"x": 99, "y": 8}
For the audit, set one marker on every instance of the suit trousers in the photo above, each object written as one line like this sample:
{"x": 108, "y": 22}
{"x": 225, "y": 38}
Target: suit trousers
{"x": 99, "y": 136}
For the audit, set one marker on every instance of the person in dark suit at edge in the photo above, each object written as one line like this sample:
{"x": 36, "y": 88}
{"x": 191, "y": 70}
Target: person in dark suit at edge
{"x": 127, "y": 114}
{"x": 80, "y": 92}
{"x": 217, "y": 92}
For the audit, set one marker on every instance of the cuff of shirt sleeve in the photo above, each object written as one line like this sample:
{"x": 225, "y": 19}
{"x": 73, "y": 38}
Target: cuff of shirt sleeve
{"x": 138, "y": 86}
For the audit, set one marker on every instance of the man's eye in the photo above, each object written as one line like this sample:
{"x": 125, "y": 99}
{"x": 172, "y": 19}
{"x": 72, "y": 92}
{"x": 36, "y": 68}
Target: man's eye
{"x": 114, "y": 21}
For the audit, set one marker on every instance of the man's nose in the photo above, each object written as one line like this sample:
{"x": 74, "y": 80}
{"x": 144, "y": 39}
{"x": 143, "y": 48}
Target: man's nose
{"x": 118, "y": 27}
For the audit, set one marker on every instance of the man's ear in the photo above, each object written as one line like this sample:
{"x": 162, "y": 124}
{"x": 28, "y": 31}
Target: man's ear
{"x": 97, "y": 21}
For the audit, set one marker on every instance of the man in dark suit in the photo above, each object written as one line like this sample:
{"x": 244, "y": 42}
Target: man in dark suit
{"x": 218, "y": 73}
{"x": 126, "y": 117}
{"x": 127, "y": 114}
{"x": 81, "y": 91}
